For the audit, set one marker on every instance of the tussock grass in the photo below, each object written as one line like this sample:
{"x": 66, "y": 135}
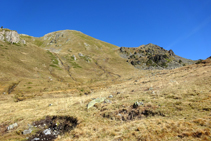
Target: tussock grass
{"x": 183, "y": 95}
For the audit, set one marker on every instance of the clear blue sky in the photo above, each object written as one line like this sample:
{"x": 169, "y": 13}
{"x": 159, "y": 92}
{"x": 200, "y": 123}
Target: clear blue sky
{"x": 181, "y": 25}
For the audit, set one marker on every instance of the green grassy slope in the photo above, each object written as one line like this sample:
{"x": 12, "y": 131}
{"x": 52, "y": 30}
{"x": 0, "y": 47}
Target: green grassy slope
{"x": 48, "y": 61}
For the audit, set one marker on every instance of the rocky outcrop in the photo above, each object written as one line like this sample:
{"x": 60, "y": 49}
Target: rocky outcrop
{"x": 152, "y": 56}
{"x": 171, "y": 53}
{"x": 10, "y": 36}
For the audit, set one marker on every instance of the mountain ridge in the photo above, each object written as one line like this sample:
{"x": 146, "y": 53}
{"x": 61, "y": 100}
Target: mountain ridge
{"x": 70, "y": 58}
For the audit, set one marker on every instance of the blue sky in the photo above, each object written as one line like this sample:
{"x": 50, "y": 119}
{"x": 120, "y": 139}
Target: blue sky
{"x": 181, "y": 25}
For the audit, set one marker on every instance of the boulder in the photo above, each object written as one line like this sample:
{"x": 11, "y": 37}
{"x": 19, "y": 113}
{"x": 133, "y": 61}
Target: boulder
{"x": 93, "y": 102}
{"x": 110, "y": 96}
{"x": 25, "y": 132}
{"x": 137, "y": 104}
{"x": 47, "y": 131}
{"x": 12, "y": 126}
{"x": 12, "y": 36}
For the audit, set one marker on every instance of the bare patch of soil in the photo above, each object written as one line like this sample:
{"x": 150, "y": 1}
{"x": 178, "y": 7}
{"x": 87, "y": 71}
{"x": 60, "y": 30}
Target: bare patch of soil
{"x": 130, "y": 113}
{"x": 52, "y": 126}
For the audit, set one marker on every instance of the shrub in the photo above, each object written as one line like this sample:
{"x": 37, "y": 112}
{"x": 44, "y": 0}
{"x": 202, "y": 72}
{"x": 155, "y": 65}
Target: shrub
{"x": 198, "y": 62}
{"x": 164, "y": 65}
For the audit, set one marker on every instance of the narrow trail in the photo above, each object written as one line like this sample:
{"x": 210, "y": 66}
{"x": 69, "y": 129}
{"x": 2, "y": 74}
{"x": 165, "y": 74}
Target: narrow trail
{"x": 67, "y": 68}
{"x": 111, "y": 74}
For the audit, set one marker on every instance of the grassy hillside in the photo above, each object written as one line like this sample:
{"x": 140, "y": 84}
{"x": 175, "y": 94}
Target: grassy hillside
{"x": 61, "y": 60}
{"x": 47, "y": 84}
{"x": 175, "y": 106}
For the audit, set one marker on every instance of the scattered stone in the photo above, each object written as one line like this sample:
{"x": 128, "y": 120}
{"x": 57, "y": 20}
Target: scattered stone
{"x": 23, "y": 42}
{"x": 74, "y": 57}
{"x": 153, "y": 92}
{"x": 50, "y": 105}
{"x": 118, "y": 93}
{"x": 110, "y": 96}
{"x": 119, "y": 115}
{"x": 35, "y": 139}
{"x": 4, "y": 92}
{"x": 137, "y": 104}
{"x": 47, "y": 131}
{"x": 12, "y": 126}
{"x": 80, "y": 54}
{"x": 25, "y": 132}
{"x": 150, "y": 88}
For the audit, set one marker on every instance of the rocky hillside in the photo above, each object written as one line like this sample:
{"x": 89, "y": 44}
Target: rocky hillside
{"x": 66, "y": 59}
{"x": 10, "y": 36}
{"x": 152, "y": 56}
{"x": 59, "y": 60}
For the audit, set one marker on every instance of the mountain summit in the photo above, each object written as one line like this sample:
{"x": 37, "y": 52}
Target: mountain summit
{"x": 69, "y": 58}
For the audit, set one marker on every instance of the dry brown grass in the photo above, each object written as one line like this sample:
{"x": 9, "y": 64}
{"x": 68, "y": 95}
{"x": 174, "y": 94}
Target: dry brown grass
{"x": 182, "y": 95}
{"x": 178, "y": 100}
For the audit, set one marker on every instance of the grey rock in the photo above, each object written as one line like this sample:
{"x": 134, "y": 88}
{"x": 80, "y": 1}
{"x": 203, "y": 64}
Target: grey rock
{"x": 9, "y": 36}
{"x": 35, "y": 139}
{"x": 47, "y": 131}
{"x": 74, "y": 57}
{"x": 23, "y": 42}
{"x": 171, "y": 53}
{"x": 1, "y": 37}
{"x": 12, "y": 36}
{"x": 86, "y": 44}
{"x": 110, "y": 96}
{"x": 118, "y": 93}
{"x": 80, "y": 54}
{"x": 150, "y": 88}
{"x": 4, "y": 92}
{"x": 12, "y": 126}
{"x": 137, "y": 104}
{"x": 50, "y": 105}
{"x": 25, "y": 132}
{"x": 119, "y": 115}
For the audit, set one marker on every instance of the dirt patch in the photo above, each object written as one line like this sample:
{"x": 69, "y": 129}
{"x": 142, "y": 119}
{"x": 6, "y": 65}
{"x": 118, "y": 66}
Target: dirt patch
{"x": 12, "y": 87}
{"x": 130, "y": 113}
{"x": 52, "y": 126}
